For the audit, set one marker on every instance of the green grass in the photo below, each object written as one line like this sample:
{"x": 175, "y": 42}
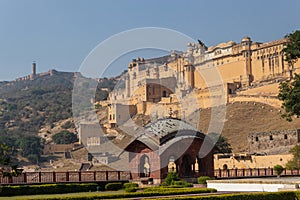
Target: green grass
{"x": 115, "y": 194}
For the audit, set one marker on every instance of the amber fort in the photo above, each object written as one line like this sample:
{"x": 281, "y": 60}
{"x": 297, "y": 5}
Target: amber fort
{"x": 244, "y": 71}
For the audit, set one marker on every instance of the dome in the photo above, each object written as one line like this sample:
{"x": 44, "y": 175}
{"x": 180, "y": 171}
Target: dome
{"x": 246, "y": 39}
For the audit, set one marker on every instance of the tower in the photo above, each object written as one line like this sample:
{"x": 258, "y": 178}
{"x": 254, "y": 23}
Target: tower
{"x": 33, "y": 72}
{"x": 189, "y": 73}
{"x": 246, "y": 43}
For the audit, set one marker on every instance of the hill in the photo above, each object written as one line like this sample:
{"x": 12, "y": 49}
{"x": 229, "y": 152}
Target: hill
{"x": 245, "y": 117}
{"x": 29, "y": 106}
{"x": 26, "y": 106}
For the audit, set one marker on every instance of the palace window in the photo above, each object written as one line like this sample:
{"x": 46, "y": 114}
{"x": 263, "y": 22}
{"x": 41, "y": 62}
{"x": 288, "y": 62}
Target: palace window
{"x": 166, "y": 67}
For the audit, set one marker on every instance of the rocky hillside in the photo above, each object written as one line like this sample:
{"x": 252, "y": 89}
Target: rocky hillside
{"x": 27, "y": 106}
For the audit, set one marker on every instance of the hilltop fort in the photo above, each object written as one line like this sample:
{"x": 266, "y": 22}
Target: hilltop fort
{"x": 229, "y": 70}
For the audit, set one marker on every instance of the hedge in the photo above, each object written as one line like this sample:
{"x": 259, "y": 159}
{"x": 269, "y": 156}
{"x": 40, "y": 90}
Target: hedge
{"x": 131, "y": 189}
{"x": 161, "y": 191}
{"x": 131, "y": 185}
{"x": 47, "y": 189}
{"x": 113, "y": 186}
{"x": 203, "y": 179}
{"x": 180, "y": 184}
{"x": 244, "y": 196}
{"x": 164, "y": 192}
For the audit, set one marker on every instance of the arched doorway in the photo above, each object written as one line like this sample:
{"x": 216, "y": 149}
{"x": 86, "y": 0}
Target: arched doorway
{"x": 172, "y": 164}
{"x": 144, "y": 166}
{"x": 186, "y": 166}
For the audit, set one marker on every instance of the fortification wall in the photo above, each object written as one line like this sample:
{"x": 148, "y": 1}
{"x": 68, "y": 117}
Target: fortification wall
{"x": 272, "y": 101}
{"x": 251, "y": 161}
{"x": 271, "y": 89}
{"x": 58, "y": 148}
{"x": 273, "y": 142}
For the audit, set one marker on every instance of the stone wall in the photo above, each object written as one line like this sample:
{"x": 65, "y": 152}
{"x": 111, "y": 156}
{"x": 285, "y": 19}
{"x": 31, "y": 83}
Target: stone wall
{"x": 59, "y": 148}
{"x": 273, "y": 142}
{"x": 241, "y": 161}
{"x": 272, "y": 101}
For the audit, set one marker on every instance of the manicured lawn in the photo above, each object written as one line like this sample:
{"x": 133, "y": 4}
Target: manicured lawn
{"x": 79, "y": 194}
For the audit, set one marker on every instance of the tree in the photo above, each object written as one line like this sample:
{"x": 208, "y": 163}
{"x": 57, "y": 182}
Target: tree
{"x": 292, "y": 49}
{"x": 278, "y": 169}
{"x": 64, "y": 137}
{"x": 222, "y": 145}
{"x": 7, "y": 169}
{"x": 289, "y": 91}
{"x": 295, "y": 162}
{"x": 30, "y": 145}
{"x": 289, "y": 94}
{"x": 33, "y": 158}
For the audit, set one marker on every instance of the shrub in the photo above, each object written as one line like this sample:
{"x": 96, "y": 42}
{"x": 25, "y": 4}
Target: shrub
{"x": 203, "y": 179}
{"x": 172, "y": 176}
{"x": 278, "y": 169}
{"x": 113, "y": 186}
{"x": 130, "y": 185}
{"x": 170, "y": 190}
{"x": 64, "y": 137}
{"x": 181, "y": 184}
{"x": 131, "y": 189}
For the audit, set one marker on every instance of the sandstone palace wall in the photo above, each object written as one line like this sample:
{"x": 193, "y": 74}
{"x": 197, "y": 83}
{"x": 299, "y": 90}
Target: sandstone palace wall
{"x": 229, "y": 70}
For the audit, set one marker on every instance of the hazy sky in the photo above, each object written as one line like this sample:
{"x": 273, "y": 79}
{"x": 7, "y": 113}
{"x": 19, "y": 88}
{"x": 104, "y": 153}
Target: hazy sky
{"x": 59, "y": 34}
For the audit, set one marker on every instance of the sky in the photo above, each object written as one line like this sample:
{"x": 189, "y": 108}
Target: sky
{"x": 60, "y": 34}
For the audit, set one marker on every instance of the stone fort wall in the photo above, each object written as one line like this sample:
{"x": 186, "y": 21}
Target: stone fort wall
{"x": 273, "y": 142}
{"x": 222, "y": 161}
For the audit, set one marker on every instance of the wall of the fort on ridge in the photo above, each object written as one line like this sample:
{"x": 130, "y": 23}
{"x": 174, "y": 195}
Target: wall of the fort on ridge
{"x": 272, "y": 101}
{"x": 273, "y": 142}
{"x": 245, "y": 161}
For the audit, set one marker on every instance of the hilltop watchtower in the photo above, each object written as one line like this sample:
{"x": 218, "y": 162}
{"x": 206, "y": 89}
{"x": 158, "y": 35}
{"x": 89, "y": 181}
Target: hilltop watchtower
{"x": 33, "y": 72}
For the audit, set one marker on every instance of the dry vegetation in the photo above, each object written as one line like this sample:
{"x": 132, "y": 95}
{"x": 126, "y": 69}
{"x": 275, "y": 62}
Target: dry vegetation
{"x": 245, "y": 117}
